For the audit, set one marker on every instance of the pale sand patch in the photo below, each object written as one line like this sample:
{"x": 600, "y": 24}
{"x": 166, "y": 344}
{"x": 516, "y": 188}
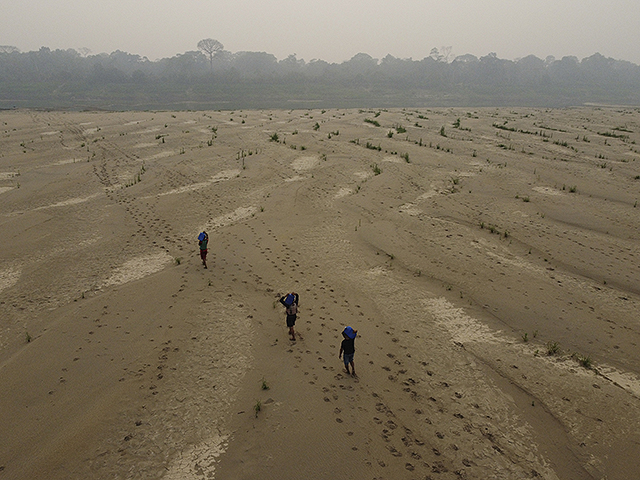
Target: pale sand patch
{"x": 7, "y": 175}
{"x": 90, "y": 131}
{"x": 148, "y": 130}
{"x": 305, "y": 163}
{"x": 229, "y": 347}
{"x": 238, "y": 214}
{"x": 411, "y": 209}
{"x": 53, "y": 132}
{"x": 5, "y": 189}
{"x": 85, "y": 123}
{"x": 145, "y": 145}
{"x": 362, "y": 175}
{"x": 392, "y": 159}
{"x": 138, "y": 268}
{"x": 376, "y": 272}
{"x": 427, "y": 195}
{"x": 162, "y": 155}
{"x": 626, "y": 380}
{"x": 461, "y": 326}
{"x": 547, "y": 190}
{"x": 294, "y": 179}
{"x": 343, "y": 192}
{"x": 134, "y": 122}
{"x": 464, "y": 328}
{"x": 219, "y": 177}
{"x": 71, "y": 201}
{"x": 66, "y": 161}
{"x": 192, "y": 462}
{"x": 8, "y": 277}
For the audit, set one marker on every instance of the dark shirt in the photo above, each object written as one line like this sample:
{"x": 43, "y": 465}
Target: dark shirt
{"x": 348, "y": 346}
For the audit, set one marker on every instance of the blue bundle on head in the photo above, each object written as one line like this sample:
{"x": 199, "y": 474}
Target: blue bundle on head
{"x": 349, "y": 332}
{"x": 201, "y": 236}
{"x": 289, "y": 299}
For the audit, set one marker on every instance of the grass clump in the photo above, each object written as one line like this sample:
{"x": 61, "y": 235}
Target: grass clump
{"x": 584, "y": 360}
{"x": 553, "y": 348}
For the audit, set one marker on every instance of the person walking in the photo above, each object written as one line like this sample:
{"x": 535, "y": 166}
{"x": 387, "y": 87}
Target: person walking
{"x": 203, "y": 242}
{"x": 291, "y": 301}
{"x": 349, "y": 349}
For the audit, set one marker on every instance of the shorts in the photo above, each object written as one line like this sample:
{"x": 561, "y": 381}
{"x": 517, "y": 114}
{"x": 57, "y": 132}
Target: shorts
{"x": 203, "y": 253}
{"x": 348, "y": 358}
{"x": 291, "y": 320}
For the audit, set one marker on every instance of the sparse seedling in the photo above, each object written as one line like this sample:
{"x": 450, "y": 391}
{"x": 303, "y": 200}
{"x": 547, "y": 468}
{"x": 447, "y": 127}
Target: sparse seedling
{"x": 525, "y": 337}
{"x": 264, "y": 385}
{"x": 178, "y": 260}
{"x": 257, "y": 407}
{"x": 28, "y": 337}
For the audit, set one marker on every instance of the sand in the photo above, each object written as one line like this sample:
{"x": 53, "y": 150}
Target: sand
{"x": 461, "y": 255}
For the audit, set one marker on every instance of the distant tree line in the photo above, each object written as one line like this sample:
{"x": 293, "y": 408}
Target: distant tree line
{"x": 212, "y": 77}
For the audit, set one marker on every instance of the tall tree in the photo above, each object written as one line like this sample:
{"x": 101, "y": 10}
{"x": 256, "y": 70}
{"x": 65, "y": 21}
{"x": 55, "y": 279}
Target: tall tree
{"x": 211, "y": 48}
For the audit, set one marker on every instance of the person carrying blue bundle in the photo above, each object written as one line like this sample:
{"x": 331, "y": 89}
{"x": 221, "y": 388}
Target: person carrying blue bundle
{"x": 290, "y": 302}
{"x": 349, "y": 349}
{"x": 203, "y": 242}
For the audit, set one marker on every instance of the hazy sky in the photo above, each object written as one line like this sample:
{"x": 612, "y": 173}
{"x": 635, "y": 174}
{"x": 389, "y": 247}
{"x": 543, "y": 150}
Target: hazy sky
{"x": 331, "y": 30}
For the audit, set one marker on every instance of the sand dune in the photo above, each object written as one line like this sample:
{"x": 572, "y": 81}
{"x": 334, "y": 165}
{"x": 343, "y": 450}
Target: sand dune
{"x": 487, "y": 257}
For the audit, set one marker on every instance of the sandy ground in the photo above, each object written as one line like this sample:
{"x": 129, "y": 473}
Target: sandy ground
{"x": 462, "y": 251}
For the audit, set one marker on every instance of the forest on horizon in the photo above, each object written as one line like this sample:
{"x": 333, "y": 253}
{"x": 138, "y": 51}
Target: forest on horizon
{"x": 213, "y": 78}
